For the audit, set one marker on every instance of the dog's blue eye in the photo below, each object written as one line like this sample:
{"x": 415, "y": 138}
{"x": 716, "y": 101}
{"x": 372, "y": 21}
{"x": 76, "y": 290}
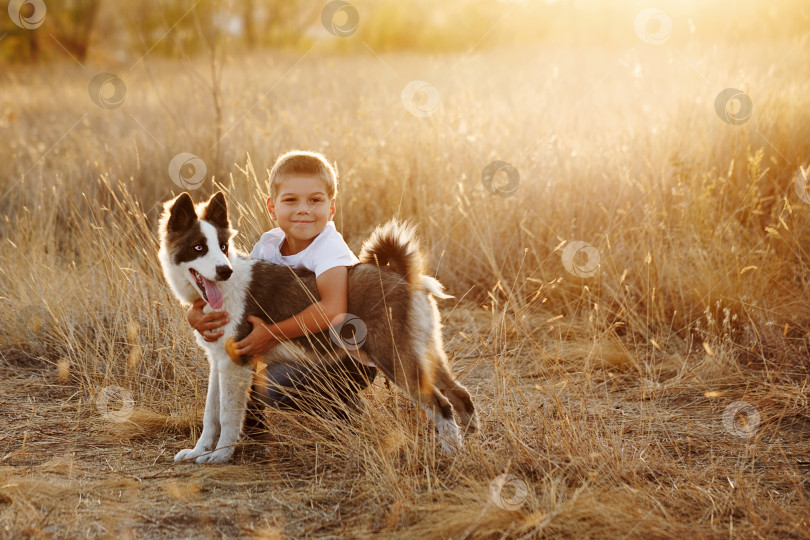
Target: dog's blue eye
{"x": 224, "y": 247}
{"x": 198, "y": 247}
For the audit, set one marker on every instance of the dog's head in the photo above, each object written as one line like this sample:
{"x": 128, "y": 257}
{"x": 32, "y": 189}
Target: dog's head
{"x": 194, "y": 247}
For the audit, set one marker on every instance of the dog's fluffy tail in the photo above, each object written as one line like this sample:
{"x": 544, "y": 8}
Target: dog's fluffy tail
{"x": 395, "y": 245}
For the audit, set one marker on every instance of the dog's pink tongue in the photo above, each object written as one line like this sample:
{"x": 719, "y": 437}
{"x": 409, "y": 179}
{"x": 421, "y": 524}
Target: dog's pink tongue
{"x": 213, "y": 293}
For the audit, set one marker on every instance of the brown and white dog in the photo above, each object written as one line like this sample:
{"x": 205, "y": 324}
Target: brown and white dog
{"x": 388, "y": 295}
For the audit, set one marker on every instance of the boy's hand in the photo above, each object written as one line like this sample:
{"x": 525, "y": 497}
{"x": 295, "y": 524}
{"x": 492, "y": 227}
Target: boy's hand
{"x": 259, "y": 341}
{"x": 207, "y": 323}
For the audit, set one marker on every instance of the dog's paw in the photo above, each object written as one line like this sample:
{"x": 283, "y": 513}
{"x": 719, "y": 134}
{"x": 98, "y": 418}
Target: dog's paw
{"x": 450, "y": 436}
{"x": 188, "y": 453}
{"x": 220, "y": 455}
{"x": 452, "y": 446}
{"x": 472, "y": 426}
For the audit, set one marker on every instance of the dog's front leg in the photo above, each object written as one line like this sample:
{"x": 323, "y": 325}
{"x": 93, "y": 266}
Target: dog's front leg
{"x": 234, "y": 382}
{"x": 211, "y": 424}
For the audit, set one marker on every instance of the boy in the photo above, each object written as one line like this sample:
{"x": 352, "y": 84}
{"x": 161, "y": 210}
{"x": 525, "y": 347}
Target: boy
{"x": 303, "y": 186}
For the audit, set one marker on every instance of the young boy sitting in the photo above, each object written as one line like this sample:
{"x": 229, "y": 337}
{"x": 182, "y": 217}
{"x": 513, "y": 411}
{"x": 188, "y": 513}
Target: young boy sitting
{"x": 303, "y": 186}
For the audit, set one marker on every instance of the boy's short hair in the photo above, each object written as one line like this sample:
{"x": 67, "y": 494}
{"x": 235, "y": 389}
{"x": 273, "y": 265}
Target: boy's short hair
{"x": 303, "y": 162}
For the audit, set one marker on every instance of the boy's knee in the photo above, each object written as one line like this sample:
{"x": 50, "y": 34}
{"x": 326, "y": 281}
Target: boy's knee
{"x": 289, "y": 386}
{"x": 281, "y": 383}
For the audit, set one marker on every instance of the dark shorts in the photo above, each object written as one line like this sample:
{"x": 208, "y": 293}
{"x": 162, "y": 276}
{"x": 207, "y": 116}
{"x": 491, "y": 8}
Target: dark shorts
{"x": 318, "y": 388}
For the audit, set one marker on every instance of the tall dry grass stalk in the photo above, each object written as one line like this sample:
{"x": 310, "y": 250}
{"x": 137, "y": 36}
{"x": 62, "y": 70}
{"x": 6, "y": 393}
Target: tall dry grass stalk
{"x": 605, "y": 395}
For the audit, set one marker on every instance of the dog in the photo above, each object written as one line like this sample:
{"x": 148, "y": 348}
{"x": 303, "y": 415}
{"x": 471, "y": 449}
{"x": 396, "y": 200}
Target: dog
{"x": 388, "y": 294}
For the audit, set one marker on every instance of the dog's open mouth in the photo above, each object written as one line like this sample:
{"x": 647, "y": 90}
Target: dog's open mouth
{"x": 210, "y": 290}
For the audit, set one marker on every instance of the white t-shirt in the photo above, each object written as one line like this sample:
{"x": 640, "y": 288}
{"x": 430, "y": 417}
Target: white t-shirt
{"x": 326, "y": 251}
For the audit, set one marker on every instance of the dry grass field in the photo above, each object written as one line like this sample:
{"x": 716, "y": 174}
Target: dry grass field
{"x": 633, "y": 321}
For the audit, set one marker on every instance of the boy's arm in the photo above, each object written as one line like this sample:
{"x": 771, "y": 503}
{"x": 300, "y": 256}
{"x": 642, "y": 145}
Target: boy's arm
{"x": 333, "y": 287}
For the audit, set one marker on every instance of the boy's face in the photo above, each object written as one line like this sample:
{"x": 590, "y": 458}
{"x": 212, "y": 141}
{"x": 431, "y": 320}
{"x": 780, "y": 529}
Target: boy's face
{"x": 302, "y": 208}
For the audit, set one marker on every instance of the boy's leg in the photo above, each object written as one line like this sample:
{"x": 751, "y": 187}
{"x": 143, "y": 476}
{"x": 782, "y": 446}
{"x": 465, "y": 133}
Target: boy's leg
{"x": 280, "y": 389}
{"x": 350, "y": 377}
{"x": 316, "y": 388}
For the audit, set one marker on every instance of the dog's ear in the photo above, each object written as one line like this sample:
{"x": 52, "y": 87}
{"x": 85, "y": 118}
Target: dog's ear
{"x": 181, "y": 214}
{"x": 216, "y": 211}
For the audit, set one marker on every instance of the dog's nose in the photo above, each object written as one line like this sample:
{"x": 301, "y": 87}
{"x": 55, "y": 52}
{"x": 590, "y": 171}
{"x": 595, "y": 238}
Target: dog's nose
{"x": 224, "y": 272}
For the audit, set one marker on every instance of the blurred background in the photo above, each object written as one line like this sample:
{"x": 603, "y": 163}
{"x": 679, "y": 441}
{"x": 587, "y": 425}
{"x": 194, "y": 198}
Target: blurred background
{"x": 108, "y": 31}
{"x": 507, "y": 130}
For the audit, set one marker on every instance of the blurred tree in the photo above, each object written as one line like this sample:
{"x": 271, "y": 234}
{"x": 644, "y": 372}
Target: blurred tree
{"x": 16, "y": 42}
{"x": 72, "y": 24}
{"x": 248, "y": 16}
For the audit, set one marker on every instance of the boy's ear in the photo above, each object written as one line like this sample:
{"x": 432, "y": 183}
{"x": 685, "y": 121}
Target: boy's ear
{"x": 181, "y": 213}
{"x": 216, "y": 211}
{"x": 271, "y": 208}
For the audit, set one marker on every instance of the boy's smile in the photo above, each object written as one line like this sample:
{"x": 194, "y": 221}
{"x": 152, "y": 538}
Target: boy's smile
{"x": 302, "y": 209}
